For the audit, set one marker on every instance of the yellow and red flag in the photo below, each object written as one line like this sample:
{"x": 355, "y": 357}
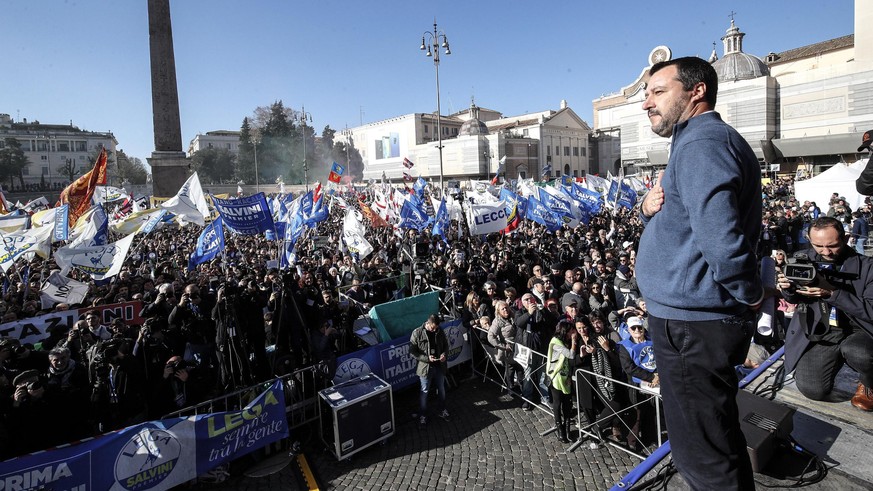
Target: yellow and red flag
{"x": 78, "y": 194}
{"x": 375, "y": 219}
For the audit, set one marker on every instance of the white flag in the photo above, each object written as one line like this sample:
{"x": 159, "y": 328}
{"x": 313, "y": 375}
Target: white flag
{"x": 25, "y": 244}
{"x": 134, "y": 222}
{"x": 487, "y": 218}
{"x": 107, "y": 194}
{"x": 189, "y": 204}
{"x": 353, "y": 235}
{"x": 60, "y": 289}
{"x": 99, "y": 261}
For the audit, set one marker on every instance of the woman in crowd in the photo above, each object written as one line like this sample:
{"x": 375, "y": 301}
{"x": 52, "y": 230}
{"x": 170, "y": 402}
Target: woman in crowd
{"x": 559, "y": 357}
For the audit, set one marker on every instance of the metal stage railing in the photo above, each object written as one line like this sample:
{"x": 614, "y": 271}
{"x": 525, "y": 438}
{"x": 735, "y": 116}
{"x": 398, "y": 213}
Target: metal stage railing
{"x": 301, "y": 397}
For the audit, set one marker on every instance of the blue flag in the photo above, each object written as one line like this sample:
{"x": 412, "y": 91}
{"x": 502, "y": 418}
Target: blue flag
{"x": 558, "y": 205}
{"x": 412, "y": 216}
{"x": 152, "y": 222}
{"x": 587, "y": 199}
{"x": 209, "y": 244}
{"x": 318, "y": 211}
{"x": 441, "y": 221}
{"x": 245, "y": 216}
{"x": 62, "y": 223}
{"x": 419, "y": 186}
{"x": 102, "y": 221}
{"x": 540, "y": 213}
{"x": 627, "y": 197}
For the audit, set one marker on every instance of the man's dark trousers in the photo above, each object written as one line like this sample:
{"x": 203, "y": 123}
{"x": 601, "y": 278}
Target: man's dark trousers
{"x": 696, "y": 361}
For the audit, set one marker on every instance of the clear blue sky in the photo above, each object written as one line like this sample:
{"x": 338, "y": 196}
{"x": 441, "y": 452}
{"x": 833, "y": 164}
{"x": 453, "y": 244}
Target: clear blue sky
{"x": 88, "y": 60}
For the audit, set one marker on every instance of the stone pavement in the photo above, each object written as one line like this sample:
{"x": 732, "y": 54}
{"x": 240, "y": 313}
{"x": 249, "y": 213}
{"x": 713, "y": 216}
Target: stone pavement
{"x": 489, "y": 443}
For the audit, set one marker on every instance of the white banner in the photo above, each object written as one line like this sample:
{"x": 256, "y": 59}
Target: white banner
{"x": 60, "y": 289}
{"x": 486, "y": 219}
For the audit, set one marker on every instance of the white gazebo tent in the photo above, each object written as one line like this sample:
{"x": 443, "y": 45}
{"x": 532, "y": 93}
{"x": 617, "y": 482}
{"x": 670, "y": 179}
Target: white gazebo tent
{"x": 838, "y": 179}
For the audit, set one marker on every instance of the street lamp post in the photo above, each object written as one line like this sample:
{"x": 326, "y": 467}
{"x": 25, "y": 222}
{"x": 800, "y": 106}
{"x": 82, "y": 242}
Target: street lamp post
{"x": 302, "y": 117}
{"x": 434, "y": 42}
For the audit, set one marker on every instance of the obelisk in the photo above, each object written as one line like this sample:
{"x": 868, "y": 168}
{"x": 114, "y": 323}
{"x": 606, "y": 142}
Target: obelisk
{"x": 168, "y": 161}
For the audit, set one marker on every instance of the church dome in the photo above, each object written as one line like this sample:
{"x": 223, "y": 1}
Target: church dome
{"x": 736, "y": 65}
{"x": 739, "y": 66}
{"x": 473, "y": 127}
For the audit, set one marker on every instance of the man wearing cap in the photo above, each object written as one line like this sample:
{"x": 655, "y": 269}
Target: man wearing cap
{"x": 864, "y": 183}
{"x": 697, "y": 269}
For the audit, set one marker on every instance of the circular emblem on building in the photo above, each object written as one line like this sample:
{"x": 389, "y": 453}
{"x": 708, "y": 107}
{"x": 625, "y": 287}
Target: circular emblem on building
{"x": 659, "y": 54}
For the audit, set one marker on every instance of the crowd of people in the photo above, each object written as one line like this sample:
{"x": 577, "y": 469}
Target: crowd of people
{"x": 236, "y": 320}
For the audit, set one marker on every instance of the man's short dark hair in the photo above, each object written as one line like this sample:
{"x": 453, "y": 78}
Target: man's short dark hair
{"x": 691, "y": 71}
{"x": 828, "y": 222}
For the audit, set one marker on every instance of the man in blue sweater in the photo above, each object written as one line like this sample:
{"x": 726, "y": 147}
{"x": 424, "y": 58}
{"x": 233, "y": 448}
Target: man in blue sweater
{"x": 697, "y": 270}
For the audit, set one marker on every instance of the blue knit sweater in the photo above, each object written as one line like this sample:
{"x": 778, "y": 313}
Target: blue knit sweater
{"x": 696, "y": 258}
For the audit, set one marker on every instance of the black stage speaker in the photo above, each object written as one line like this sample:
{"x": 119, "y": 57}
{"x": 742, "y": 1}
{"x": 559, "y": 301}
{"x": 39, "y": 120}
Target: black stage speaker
{"x": 763, "y": 422}
{"x": 356, "y": 414}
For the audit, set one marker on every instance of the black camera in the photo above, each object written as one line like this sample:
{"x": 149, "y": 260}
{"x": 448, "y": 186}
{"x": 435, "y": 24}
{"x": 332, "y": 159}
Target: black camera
{"x": 803, "y": 271}
{"x": 177, "y": 365}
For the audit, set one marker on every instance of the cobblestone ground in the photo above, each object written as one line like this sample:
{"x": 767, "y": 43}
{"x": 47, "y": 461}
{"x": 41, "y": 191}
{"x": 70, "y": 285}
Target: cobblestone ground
{"x": 489, "y": 443}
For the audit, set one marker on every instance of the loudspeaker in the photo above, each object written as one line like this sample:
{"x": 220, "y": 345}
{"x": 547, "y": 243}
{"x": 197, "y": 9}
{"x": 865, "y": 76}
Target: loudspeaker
{"x": 763, "y": 422}
{"x": 356, "y": 414}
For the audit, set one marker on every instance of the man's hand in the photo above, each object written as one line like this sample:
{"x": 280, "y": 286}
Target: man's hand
{"x": 654, "y": 199}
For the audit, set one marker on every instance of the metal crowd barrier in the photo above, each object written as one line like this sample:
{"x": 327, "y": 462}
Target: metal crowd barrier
{"x": 301, "y": 397}
{"x": 645, "y": 397}
{"x": 484, "y": 364}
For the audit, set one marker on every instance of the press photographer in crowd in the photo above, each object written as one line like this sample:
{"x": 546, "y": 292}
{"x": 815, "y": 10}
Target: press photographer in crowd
{"x": 833, "y": 321}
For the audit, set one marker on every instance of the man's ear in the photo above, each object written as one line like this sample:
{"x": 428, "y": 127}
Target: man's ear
{"x": 698, "y": 92}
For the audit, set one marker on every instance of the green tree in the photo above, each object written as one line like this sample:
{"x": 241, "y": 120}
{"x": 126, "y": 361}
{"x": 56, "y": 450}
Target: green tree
{"x": 12, "y": 161}
{"x": 245, "y": 162}
{"x": 349, "y": 156}
{"x": 278, "y": 147}
{"x": 214, "y": 165}
{"x": 131, "y": 169}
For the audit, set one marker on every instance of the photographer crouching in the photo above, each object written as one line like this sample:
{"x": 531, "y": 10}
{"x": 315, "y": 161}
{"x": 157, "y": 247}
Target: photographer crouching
{"x": 833, "y": 322}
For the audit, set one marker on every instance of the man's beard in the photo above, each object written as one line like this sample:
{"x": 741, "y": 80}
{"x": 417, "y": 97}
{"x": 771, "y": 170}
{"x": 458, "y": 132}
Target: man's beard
{"x": 673, "y": 116}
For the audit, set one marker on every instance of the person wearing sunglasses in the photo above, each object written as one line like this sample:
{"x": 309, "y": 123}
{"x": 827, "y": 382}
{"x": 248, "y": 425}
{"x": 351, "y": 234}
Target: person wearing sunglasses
{"x": 637, "y": 358}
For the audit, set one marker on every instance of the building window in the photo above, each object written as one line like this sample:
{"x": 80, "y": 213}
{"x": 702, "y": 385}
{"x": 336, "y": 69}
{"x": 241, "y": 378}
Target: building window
{"x": 455, "y": 131}
{"x": 209, "y": 145}
{"x": 43, "y": 157}
{"x": 42, "y": 146}
{"x": 228, "y": 146}
{"x": 81, "y": 146}
{"x": 45, "y": 171}
{"x": 557, "y": 150}
{"x": 584, "y": 152}
{"x": 549, "y": 150}
{"x": 63, "y": 146}
{"x": 566, "y": 151}
{"x": 575, "y": 151}
{"x": 525, "y": 132}
{"x": 425, "y": 128}
{"x": 25, "y": 171}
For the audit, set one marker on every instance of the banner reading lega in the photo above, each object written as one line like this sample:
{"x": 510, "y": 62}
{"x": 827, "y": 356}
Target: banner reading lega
{"x": 154, "y": 455}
